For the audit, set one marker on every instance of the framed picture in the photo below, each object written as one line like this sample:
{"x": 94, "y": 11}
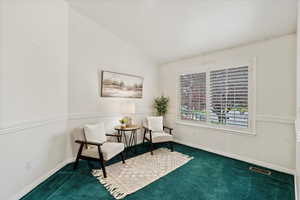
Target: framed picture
{"x": 121, "y": 85}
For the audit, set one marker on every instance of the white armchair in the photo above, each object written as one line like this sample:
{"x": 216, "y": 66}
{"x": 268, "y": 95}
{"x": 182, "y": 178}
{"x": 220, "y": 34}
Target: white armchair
{"x": 154, "y": 132}
{"x": 95, "y": 146}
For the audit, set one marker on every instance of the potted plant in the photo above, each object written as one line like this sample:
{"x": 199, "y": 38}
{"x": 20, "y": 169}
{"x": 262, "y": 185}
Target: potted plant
{"x": 123, "y": 122}
{"x": 161, "y": 105}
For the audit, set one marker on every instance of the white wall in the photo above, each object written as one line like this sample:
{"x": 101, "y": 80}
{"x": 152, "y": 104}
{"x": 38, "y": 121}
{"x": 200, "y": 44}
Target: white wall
{"x": 50, "y": 55}
{"x": 274, "y": 144}
{"x": 297, "y": 122}
{"x": 33, "y": 90}
{"x": 93, "y": 48}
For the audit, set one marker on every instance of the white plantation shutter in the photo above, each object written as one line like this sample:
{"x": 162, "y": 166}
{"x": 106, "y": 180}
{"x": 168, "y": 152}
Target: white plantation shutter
{"x": 193, "y": 97}
{"x": 218, "y": 97}
{"x": 229, "y": 96}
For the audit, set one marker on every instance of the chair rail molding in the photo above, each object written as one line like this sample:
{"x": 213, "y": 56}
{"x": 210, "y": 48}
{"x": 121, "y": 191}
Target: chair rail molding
{"x": 30, "y": 124}
{"x": 275, "y": 119}
{"x": 297, "y": 129}
{"x": 80, "y": 116}
{"x": 264, "y": 118}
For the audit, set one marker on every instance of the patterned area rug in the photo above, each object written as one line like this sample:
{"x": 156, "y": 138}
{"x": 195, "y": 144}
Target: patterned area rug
{"x": 140, "y": 171}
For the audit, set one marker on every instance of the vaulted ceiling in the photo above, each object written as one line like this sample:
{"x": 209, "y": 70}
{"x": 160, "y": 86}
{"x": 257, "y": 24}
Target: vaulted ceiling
{"x": 167, "y": 30}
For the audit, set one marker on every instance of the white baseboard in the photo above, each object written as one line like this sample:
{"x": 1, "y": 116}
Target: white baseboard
{"x": 38, "y": 181}
{"x": 242, "y": 158}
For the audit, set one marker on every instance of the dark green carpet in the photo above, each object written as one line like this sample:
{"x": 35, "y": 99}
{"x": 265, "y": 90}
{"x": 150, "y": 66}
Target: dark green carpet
{"x": 207, "y": 177}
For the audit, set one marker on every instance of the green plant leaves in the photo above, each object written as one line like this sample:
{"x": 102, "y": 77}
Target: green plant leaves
{"x": 161, "y": 105}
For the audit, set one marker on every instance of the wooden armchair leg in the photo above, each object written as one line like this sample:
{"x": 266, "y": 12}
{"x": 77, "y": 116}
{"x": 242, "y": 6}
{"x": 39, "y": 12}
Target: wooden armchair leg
{"x": 122, "y": 157}
{"x": 103, "y": 168}
{"x": 78, "y": 156}
{"x": 151, "y": 148}
{"x": 151, "y": 144}
{"x": 102, "y": 162}
{"x": 119, "y": 138}
{"x": 171, "y": 146}
{"x": 144, "y": 137}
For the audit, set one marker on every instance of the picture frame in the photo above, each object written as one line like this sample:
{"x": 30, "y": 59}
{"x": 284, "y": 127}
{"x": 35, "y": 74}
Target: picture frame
{"x": 115, "y": 84}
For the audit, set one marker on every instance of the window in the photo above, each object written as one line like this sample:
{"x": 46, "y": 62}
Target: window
{"x": 216, "y": 97}
{"x": 193, "y": 97}
{"x": 229, "y": 97}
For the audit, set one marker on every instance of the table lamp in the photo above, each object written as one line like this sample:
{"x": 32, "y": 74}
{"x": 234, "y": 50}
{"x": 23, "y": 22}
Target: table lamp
{"x": 128, "y": 108}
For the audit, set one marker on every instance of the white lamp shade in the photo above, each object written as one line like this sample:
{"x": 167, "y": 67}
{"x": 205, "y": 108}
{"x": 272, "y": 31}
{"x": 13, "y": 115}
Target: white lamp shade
{"x": 128, "y": 108}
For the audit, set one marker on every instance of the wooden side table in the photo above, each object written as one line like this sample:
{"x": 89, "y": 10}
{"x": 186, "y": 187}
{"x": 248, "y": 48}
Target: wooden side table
{"x": 132, "y": 140}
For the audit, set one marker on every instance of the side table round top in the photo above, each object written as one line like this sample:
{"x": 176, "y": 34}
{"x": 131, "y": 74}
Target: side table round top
{"x": 129, "y": 128}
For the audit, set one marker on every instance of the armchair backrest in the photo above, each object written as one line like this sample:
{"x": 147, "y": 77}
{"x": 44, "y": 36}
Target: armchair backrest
{"x": 95, "y": 132}
{"x": 155, "y": 123}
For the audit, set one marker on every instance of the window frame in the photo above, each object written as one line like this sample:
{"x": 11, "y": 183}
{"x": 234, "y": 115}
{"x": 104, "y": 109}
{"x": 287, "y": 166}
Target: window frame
{"x": 251, "y": 63}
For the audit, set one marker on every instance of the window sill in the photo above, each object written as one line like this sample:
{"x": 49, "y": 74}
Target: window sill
{"x": 228, "y": 130}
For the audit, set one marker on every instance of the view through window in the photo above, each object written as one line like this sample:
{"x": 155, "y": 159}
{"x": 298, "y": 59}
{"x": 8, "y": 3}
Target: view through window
{"x": 227, "y": 97}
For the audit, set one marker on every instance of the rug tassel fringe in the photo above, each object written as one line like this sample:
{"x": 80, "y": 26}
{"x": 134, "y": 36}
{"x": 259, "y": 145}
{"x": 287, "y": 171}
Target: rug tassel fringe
{"x": 112, "y": 189}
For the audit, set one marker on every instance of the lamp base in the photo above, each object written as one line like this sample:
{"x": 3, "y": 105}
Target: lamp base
{"x": 129, "y": 123}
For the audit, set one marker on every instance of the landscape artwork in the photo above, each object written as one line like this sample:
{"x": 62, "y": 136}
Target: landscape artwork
{"x": 121, "y": 85}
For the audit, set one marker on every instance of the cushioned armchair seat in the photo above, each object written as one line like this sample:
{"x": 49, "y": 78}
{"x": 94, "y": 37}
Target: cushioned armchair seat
{"x": 109, "y": 150}
{"x": 158, "y": 137}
